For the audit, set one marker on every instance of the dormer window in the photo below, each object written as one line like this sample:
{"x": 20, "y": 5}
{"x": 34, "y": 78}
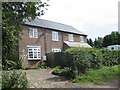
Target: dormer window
{"x": 70, "y": 37}
{"x": 33, "y": 33}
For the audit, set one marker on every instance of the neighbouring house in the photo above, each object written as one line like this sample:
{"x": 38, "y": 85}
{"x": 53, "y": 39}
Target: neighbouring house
{"x": 113, "y": 47}
{"x": 39, "y": 37}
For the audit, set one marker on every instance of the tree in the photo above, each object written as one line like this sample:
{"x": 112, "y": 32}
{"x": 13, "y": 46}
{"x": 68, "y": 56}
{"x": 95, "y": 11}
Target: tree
{"x": 90, "y": 42}
{"x": 13, "y": 14}
{"x": 111, "y": 39}
{"x": 98, "y": 42}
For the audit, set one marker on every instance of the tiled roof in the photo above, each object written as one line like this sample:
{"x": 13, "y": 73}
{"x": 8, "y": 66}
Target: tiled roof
{"x": 53, "y": 25}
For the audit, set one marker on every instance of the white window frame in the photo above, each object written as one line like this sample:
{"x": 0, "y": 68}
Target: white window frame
{"x": 70, "y": 37}
{"x": 81, "y": 38}
{"x": 55, "y": 36}
{"x": 56, "y": 50}
{"x": 33, "y": 32}
{"x": 33, "y": 48}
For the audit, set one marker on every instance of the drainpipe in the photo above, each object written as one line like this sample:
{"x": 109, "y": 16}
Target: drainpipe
{"x": 44, "y": 40}
{"x": 62, "y": 41}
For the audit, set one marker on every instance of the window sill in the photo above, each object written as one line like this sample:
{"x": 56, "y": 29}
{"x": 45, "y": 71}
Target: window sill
{"x": 55, "y": 40}
{"x": 71, "y": 41}
{"x": 82, "y": 41}
{"x": 33, "y": 37}
{"x": 37, "y": 59}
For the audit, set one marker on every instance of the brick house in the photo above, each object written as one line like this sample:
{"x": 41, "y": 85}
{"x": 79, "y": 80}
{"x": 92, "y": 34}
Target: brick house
{"x": 39, "y": 37}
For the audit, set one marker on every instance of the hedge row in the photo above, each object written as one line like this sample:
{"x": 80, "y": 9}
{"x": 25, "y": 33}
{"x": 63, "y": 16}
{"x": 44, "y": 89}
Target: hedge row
{"x": 81, "y": 59}
{"x": 85, "y": 58}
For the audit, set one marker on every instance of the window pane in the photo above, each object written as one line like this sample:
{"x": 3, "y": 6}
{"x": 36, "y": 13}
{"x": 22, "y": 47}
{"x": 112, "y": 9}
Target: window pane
{"x": 38, "y": 50}
{"x": 35, "y": 33}
{"x": 30, "y": 50}
{"x": 81, "y": 39}
{"x": 30, "y": 54}
{"x": 70, "y": 37}
{"x": 30, "y": 32}
{"x": 38, "y": 54}
{"x": 35, "y": 54}
{"x": 55, "y": 36}
{"x": 35, "y": 50}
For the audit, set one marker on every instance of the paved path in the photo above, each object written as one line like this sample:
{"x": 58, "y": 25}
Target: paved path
{"x": 42, "y": 78}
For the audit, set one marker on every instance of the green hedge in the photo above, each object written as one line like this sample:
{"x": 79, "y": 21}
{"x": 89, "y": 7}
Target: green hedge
{"x": 81, "y": 59}
{"x": 110, "y": 57}
{"x": 84, "y": 58}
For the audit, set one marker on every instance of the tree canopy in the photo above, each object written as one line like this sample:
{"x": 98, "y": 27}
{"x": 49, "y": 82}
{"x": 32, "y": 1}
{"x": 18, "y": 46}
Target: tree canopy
{"x": 111, "y": 39}
{"x": 90, "y": 42}
{"x": 98, "y": 42}
{"x": 13, "y": 14}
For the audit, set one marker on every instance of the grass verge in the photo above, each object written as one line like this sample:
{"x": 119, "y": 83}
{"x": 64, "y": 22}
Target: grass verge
{"x": 98, "y": 76}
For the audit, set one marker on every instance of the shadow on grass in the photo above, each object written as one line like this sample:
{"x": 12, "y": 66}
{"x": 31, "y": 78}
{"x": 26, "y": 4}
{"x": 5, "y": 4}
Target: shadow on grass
{"x": 56, "y": 79}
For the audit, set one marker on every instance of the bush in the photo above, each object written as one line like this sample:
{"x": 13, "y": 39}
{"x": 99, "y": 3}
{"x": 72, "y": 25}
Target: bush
{"x": 110, "y": 57}
{"x": 87, "y": 58}
{"x": 66, "y": 72}
{"x": 42, "y": 65}
{"x": 14, "y": 79}
{"x": 84, "y": 58}
{"x": 57, "y": 70}
{"x": 11, "y": 64}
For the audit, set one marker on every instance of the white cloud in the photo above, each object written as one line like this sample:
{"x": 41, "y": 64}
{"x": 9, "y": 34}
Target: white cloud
{"x": 84, "y": 15}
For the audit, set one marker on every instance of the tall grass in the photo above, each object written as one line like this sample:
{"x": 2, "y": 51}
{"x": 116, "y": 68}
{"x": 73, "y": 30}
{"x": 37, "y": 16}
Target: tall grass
{"x": 98, "y": 76}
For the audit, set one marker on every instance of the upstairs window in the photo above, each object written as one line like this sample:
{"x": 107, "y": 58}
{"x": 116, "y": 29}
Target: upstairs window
{"x": 81, "y": 39}
{"x": 55, "y": 36}
{"x": 33, "y": 33}
{"x": 34, "y": 52}
{"x": 70, "y": 37}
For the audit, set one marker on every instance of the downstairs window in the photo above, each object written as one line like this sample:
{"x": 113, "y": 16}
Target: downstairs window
{"x": 34, "y": 52}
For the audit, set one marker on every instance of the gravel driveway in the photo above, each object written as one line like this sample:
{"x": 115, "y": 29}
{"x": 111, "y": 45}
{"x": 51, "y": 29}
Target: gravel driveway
{"x": 42, "y": 78}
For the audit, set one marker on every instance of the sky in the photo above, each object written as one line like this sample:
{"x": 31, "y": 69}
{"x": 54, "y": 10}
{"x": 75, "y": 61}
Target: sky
{"x": 96, "y": 18}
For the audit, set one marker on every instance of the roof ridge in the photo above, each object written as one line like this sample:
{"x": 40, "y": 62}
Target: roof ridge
{"x": 54, "y": 21}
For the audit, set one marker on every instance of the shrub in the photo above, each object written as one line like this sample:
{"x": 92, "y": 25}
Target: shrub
{"x": 110, "y": 57}
{"x": 11, "y": 64}
{"x": 57, "y": 70}
{"x": 14, "y": 79}
{"x": 84, "y": 58}
{"x": 66, "y": 72}
{"x": 42, "y": 65}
